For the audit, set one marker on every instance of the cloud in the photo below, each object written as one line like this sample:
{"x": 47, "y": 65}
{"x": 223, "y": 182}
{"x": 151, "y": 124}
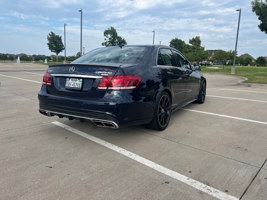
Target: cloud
{"x": 207, "y": 3}
{"x": 141, "y": 4}
{"x": 123, "y": 8}
{"x": 19, "y": 15}
{"x": 60, "y": 3}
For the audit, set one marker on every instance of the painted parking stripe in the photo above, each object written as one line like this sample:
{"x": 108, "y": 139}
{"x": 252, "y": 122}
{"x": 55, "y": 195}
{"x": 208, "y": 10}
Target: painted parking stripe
{"x": 175, "y": 175}
{"x": 260, "y": 92}
{"x": 23, "y": 79}
{"x": 34, "y": 73}
{"x": 234, "y": 98}
{"x": 226, "y": 116}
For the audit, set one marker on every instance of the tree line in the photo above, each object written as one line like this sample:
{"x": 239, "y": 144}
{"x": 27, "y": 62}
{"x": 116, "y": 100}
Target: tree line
{"x": 35, "y": 58}
{"x": 193, "y": 51}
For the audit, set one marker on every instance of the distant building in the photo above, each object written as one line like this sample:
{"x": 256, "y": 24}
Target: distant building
{"x": 246, "y": 55}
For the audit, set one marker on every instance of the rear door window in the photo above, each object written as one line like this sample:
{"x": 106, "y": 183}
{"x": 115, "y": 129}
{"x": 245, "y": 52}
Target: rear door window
{"x": 166, "y": 57}
{"x": 182, "y": 62}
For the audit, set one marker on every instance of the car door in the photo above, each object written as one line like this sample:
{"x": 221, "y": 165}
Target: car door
{"x": 172, "y": 74}
{"x": 191, "y": 80}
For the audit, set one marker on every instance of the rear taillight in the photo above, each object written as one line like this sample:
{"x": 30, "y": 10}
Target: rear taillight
{"x": 119, "y": 83}
{"x": 47, "y": 79}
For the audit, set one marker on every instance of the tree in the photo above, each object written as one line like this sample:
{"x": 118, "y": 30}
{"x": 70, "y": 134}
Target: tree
{"x": 193, "y": 51}
{"x": 178, "y": 44}
{"x": 223, "y": 56}
{"x": 25, "y": 57}
{"x": 195, "y": 42}
{"x": 112, "y": 38}
{"x": 261, "y": 61}
{"x": 3, "y": 57}
{"x": 260, "y": 9}
{"x": 247, "y": 61}
{"x": 55, "y": 43}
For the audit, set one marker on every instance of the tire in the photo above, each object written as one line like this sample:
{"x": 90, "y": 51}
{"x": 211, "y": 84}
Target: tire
{"x": 162, "y": 113}
{"x": 202, "y": 93}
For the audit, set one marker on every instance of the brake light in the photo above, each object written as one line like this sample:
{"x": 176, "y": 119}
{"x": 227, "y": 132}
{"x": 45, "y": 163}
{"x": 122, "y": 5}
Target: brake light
{"x": 47, "y": 79}
{"x": 119, "y": 83}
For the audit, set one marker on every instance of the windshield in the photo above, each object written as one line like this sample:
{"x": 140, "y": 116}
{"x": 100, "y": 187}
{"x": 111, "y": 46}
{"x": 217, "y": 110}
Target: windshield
{"x": 115, "y": 54}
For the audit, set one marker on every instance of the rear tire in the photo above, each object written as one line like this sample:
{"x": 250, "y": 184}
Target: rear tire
{"x": 202, "y": 93}
{"x": 162, "y": 113}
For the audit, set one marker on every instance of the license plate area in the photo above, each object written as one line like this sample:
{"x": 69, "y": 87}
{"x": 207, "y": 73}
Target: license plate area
{"x": 74, "y": 83}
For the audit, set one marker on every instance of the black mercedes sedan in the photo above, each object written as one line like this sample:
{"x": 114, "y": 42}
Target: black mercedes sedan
{"x": 121, "y": 86}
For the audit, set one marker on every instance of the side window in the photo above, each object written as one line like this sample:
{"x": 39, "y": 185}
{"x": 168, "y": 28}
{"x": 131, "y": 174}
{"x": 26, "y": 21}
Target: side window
{"x": 186, "y": 65}
{"x": 182, "y": 62}
{"x": 166, "y": 57}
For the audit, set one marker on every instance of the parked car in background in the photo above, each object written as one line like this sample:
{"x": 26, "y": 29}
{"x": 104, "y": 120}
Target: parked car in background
{"x": 121, "y": 86}
{"x": 205, "y": 63}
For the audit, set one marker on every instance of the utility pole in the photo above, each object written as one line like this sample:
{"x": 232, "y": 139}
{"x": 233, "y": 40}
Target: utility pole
{"x": 233, "y": 68}
{"x": 153, "y": 36}
{"x": 64, "y": 43}
{"x": 81, "y": 42}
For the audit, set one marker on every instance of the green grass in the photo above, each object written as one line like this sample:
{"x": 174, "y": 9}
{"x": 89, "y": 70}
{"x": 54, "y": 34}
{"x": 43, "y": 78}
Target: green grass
{"x": 253, "y": 74}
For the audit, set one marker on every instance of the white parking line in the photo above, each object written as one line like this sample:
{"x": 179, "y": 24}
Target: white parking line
{"x": 175, "y": 175}
{"x": 23, "y": 79}
{"x": 234, "y": 98}
{"x": 227, "y": 116}
{"x": 34, "y": 73}
{"x": 260, "y": 92}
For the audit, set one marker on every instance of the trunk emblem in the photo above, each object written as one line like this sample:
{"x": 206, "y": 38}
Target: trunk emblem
{"x": 103, "y": 73}
{"x": 72, "y": 69}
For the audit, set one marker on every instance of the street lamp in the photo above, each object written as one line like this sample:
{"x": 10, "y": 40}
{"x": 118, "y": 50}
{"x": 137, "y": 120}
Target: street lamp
{"x": 81, "y": 43}
{"x": 64, "y": 43}
{"x": 233, "y": 68}
{"x": 153, "y": 37}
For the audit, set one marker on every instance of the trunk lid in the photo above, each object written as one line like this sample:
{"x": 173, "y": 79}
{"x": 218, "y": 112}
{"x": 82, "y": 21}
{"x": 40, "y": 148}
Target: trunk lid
{"x": 79, "y": 80}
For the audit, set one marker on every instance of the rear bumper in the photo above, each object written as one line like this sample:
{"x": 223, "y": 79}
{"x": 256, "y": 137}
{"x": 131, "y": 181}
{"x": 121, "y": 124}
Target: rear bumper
{"x": 104, "y": 113}
{"x": 97, "y": 121}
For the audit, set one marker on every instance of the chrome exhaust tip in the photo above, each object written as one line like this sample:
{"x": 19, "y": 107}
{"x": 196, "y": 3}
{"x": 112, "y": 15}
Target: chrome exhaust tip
{"x": 105, "y": 124}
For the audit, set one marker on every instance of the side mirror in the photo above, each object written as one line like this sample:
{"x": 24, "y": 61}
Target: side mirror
{"x": 198, "y": 68}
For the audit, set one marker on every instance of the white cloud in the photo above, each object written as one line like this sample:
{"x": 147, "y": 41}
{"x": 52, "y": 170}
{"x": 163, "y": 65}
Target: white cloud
{"x": 141, "y": 4}
{"x": 207, "y": 3}
{"x": 19, "y": 15}
{"x": 123, "y": 8}
{"x": 60, "y": 3}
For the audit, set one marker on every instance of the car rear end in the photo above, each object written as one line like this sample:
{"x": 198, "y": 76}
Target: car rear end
{"x": 106, "y": 94}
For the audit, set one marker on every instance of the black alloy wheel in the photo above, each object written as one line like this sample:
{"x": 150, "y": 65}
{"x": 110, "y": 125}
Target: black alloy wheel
{"x": 202, "y": 93}
{"x": 162, "y": 113}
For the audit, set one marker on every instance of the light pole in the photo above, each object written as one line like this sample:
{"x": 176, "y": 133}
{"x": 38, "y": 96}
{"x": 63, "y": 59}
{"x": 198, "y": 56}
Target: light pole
{"x": 64, "y": 43}
{"x": 153, "y": 37}
{"x": 81, "y": 40}
{"x": 233, "y": 68}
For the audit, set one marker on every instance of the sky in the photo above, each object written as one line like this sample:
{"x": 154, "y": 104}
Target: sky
{"x": 25, "y": 24}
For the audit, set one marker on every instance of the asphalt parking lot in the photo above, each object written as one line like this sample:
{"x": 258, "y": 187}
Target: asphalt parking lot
{"x": 217, "y": 150}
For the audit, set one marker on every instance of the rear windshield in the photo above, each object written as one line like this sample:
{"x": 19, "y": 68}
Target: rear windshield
{"x": 124, "y": 55}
